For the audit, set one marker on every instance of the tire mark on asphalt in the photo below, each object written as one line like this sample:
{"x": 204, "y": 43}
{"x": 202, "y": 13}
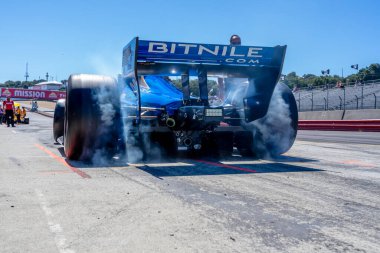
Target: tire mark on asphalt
{"x": 144, "y": 184}
{"x": 94, "y": 229}
{"x": 16, "y": 161}
{"x": 261, "y": 216}
{"x": 200, "y": 194}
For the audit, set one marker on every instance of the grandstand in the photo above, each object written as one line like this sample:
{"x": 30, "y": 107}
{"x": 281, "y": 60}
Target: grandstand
{"x": 330, "y": 97}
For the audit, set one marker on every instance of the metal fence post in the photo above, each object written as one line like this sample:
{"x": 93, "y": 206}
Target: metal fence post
{"x": 357, "y": 102}
{"x": 340, "y": 103}
{"x": 362, "y": 95}
{"x": 327, "y": 97}
{"x": 312, "y": 101}
{"x": 299, "y": 101}
{"x": 344, "y": 98}
{"x": 375, "y": 99}
{"x": 325, "y": 103}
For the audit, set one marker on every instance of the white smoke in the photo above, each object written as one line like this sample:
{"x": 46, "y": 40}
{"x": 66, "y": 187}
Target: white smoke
{"x": 133, "y": 152}
{"x": 275, "y": 129}
{"x": 102, "y": 65}
{"x": 107, "y": 105}
{"x": 236, "y": 90}
{"x": 136, "y": 138}
{"x": 104, "y": 145}
{"x": 273, "y": 134}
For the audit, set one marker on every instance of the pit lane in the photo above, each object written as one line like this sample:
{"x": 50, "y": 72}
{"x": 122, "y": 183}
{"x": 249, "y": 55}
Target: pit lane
{"x": 323, "y": 195}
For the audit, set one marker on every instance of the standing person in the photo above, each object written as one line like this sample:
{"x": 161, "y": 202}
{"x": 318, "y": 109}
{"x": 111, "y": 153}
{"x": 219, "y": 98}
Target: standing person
{"x": 9, "y": 107}
{"x": 34, "y": 106}
{"x": 23, "y": 113}
{"x": 18, "y": 115}
{"x": 1, "y": 115}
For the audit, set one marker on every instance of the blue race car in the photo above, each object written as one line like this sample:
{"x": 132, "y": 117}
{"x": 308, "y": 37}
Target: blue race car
{"x": 153, "y": 103}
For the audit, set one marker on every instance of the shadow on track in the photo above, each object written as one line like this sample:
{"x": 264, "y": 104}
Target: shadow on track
{"x": 214, "y": 167}
{"x": 190, "y": 165}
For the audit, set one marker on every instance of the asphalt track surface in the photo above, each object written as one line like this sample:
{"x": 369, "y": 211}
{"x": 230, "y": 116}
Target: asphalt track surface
{"x": 340, "y": 137}
{"x": 322, "y": 196}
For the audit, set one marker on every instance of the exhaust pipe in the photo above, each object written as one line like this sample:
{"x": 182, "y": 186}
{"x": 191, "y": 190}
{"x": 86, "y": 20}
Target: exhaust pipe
{"x": 170, "y": 122}
{"x": 187, "y": 142}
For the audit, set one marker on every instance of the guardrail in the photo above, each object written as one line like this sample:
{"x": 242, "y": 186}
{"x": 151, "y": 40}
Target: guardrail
{"x": 340, "y": 125}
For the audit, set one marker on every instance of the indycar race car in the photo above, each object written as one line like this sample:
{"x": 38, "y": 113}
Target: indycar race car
{"x": 153, "y": 102}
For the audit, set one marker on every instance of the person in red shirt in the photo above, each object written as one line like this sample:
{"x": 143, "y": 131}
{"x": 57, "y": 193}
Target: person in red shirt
{"x": 1, "y": 115}
{"x": 9, "y": 109}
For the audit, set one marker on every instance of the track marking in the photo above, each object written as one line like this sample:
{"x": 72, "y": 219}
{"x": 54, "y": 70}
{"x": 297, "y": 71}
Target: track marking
{"x": 55, "y": 228}
{"x": 358, "y": 163}
{"x": 226, "y": 166}
{"x": 63, "y": 161}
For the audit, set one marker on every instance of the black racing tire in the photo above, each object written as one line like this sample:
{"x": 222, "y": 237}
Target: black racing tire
{"x": 275, "y": 133}
{"x": 59, "y": 119}
{"x": 92, "y": 117}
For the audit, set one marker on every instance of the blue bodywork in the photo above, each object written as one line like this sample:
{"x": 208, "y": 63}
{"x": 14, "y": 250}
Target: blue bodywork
{"x": 160, "y": 93}
{"x": 155, "y": 60}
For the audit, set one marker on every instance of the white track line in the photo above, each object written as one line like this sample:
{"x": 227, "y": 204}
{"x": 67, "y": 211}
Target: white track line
{"x": 55, "y": 228}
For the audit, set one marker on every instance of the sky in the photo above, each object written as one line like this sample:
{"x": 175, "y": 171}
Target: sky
{"x": 71, "y": 36}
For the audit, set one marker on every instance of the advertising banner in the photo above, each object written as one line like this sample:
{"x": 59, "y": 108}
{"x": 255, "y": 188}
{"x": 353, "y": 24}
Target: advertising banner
{"x": 32, "y": 94}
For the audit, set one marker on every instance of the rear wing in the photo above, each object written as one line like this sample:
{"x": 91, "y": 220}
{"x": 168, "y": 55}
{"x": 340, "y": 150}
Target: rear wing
{"x": 142, "y": 57}
{"x": 261, "y": 65}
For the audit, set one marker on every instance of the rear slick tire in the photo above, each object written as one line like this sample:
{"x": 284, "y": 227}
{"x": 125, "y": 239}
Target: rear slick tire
{"x": 275, "y": 133}
{"x": 88, "y": 127}
{"x": 59, "y": 119}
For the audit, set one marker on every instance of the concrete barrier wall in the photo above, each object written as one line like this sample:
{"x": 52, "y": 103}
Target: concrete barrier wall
{"x": 349, "y": 120}
{"x": 340, "y": 115}
{"x": 321, "y": 115}
{"x": 362, "y": 114}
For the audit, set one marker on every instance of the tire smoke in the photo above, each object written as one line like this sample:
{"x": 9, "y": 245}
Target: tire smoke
{"x": 274, "y": 134}
{"x": 105, "y": 145}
